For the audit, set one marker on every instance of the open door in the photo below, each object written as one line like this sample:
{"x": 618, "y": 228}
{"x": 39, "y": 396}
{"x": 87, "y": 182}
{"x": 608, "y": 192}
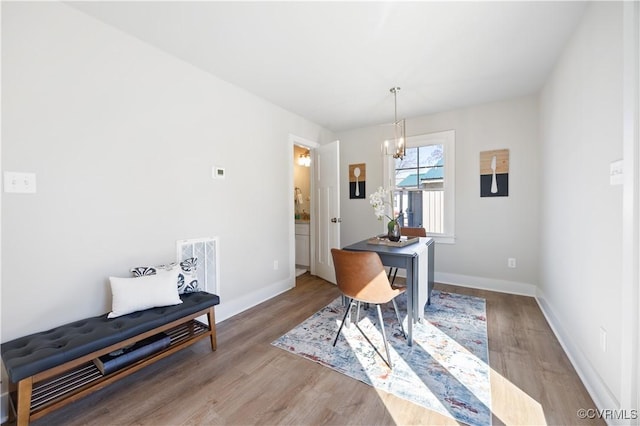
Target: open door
{"x": 327, "y": 186}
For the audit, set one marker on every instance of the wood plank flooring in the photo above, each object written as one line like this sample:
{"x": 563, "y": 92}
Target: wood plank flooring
{"x": 249, "y": 382}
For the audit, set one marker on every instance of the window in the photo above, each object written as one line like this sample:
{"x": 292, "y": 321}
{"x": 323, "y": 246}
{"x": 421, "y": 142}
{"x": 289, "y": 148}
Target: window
{"x": 423, "y": 183}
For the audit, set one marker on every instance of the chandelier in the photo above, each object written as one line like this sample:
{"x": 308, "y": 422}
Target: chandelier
{"x": 396, "y": 147}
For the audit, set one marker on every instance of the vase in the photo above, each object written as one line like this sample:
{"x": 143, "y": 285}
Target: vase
{"x": 393, "y": 228}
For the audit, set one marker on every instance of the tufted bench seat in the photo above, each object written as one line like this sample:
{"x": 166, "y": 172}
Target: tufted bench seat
{"x": 40, "y": 359}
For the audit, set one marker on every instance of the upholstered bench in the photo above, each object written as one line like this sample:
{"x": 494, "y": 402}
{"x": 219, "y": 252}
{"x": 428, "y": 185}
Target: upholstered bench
{"x": 50, "y": 369}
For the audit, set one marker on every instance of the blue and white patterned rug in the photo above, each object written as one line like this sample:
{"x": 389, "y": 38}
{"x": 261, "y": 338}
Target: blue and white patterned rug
{"x": 446, "y": 369}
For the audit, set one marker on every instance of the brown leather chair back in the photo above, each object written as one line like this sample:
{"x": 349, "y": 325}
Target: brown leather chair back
{"x": 361, "y": 276}
{"x": 413, "y": 232}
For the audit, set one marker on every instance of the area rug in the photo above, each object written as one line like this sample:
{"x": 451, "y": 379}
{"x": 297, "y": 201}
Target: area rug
{"x": 446, "y": 369}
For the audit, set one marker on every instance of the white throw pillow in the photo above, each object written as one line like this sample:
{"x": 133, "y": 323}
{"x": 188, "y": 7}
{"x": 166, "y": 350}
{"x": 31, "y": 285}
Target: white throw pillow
{"x": 136, "y": 294}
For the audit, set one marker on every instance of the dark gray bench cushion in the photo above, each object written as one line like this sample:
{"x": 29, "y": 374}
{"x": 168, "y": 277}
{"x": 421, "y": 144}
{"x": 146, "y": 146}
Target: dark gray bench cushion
{"x": 29, "y": 355}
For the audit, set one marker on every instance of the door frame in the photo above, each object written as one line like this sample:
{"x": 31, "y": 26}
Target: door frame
{"x": 312, "y": 146}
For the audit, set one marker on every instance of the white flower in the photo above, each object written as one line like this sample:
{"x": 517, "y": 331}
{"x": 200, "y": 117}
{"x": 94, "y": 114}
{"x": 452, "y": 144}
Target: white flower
{"x": 377, "y": 200}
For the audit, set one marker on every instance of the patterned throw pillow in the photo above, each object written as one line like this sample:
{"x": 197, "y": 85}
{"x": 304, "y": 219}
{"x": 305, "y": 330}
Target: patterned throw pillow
{"x": 187, "y": 278}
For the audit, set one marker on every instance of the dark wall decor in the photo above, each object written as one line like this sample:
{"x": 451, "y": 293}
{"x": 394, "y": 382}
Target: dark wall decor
{"x": 357, "y": 179}
{"x": 494, "y": 173}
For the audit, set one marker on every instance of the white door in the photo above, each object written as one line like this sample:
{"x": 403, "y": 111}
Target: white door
{"x": 328, "y": 198}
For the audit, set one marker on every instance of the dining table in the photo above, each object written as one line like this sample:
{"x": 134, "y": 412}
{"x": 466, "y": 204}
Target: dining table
{"x": 417, "y": 258}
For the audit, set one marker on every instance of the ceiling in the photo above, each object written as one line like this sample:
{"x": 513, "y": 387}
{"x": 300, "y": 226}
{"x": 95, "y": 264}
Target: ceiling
{"x": 334, "y": 62}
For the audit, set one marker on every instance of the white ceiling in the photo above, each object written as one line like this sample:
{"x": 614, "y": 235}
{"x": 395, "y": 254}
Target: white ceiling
{"x": 334, "y": 62}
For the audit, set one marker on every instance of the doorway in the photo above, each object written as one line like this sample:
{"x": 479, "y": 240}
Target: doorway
{"x": 323, "y": 203}
{"x": 302, "y": 202}
{"x": 302, "y": 206}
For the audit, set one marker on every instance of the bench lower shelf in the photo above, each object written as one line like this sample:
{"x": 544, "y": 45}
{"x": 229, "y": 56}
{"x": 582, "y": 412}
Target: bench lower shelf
{"x": 47, "y": 392}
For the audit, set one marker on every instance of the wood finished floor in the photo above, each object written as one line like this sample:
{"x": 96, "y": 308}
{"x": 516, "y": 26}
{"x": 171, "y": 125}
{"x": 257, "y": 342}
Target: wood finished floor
{"x": 249, "y": 382}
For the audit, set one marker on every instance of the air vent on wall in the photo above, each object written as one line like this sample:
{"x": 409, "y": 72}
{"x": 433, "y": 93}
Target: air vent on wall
{"x": 206, "y": 250}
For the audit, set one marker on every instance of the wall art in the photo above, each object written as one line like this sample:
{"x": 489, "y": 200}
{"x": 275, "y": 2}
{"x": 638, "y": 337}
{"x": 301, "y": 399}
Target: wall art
{"x": 357, "y": 180}
{"x": 494, "y": 173}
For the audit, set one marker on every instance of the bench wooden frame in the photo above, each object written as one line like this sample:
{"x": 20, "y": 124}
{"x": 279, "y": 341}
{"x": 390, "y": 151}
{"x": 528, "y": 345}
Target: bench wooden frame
{"x": 80, "y": 377}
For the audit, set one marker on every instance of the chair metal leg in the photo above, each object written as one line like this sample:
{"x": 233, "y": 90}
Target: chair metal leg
{"x": 384, "y": 337}
{"x": 395, "y": 308}
{"x": 395, "y": 272}
{"x": 344, "y": 319}
{"x": 380, "y": 319}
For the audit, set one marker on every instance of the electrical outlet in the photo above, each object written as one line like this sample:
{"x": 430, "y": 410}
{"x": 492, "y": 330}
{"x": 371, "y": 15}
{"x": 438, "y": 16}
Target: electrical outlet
{"x": 603, "y": 339}
{"x": 275, "y": 265}
{"x": 511, "y": 262}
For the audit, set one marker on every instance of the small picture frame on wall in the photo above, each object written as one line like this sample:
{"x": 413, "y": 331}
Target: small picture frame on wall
{"x": 494, "y": 173}
{"x": 357, "y": 180}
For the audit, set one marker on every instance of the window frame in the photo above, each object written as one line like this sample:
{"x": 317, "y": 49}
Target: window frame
{"x": 447, "y": 139}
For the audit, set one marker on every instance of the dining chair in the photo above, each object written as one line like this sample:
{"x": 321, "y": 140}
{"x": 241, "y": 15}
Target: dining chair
{"x": 406, "y": 232}
{"x": 361, "y": 278}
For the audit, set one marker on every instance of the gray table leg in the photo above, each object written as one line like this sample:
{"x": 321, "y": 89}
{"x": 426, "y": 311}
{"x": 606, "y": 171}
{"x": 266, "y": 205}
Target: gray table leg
{"x": 411, "y": 285}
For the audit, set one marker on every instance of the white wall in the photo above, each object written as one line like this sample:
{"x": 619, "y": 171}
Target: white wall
{"x": 581, "y": 220}
{"x": 122, "y": 138}
{"x": 488, "y": 230}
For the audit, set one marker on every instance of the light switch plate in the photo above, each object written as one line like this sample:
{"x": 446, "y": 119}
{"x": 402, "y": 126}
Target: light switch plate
{"x": 20, "y": 183}
{"x": 616, "y": 173}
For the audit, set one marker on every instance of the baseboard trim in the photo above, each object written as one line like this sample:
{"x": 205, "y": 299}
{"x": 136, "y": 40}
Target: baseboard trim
{"x": 597, "y": 389}
{"x": 481, "y": 283}
{"x": 228, "y": 308}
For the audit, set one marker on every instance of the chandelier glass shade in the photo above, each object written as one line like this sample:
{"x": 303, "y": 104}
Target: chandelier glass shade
{"x": 396, "y": 146}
